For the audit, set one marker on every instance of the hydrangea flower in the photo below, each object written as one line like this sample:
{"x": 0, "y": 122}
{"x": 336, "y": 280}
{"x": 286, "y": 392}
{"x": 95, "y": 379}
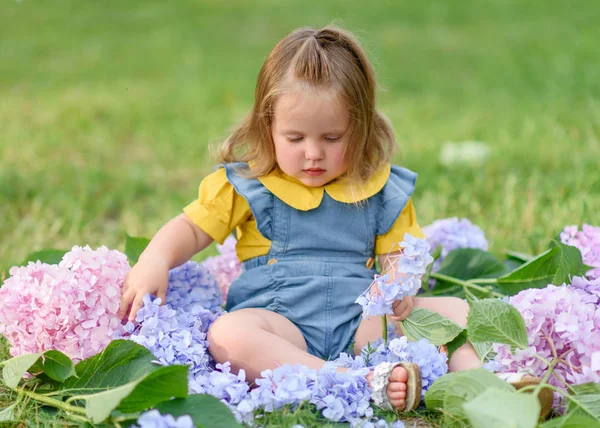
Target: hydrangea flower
{"x": 587, "y": 240}
{"x": 404, "y": 279}
{"x": 232, "y": 390}
{"x": 286, "y": 385}
{"x": 452, "y": 233}
{"x": 225, "y": 267}
{"x": 342, "y": 396}
{"x": 153, "y": 419}
{"x": 71, "y": 307}
{"x": 191, "y": 284}
{"x": 564, "y": 318}
{"x": 589, "y": 289}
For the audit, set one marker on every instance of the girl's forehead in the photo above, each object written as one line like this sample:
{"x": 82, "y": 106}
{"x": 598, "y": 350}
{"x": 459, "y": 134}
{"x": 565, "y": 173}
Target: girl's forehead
{"x": 314, "y": 106}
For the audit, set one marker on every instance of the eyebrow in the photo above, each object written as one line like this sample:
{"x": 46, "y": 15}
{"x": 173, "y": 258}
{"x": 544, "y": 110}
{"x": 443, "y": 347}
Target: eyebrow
{"x": 333, "y": 131}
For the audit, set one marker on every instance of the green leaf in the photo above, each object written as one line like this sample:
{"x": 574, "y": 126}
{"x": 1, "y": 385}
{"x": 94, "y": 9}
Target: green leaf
{"x": 586, "y": 404}
{"x": 51, "y": 256}
{"x": 423, "y": 323}
{"x": 485, "y": 350}
{"x": 7, "y": 414}
{"x": 492, "y": 320}
{"x": 55, "y": 365}
{"x": 500, "y": 409}
{"x": 121, "y": 362}
{"x": 571, "y": 420}
{"x": 464, "y": 387}
{"x": 434, "y": 397}
{"x": 205, "y": 410}
{"x": 134, "y": 247}
{"x": 14, "y": 369}
{"x": 466, "y": 264}
{"x": 456, "y": 343}
{"x": 160, "y": 385}
{"x": 554, "y": 266}
{"x": 586, "y": 388}
{"x": 519, "y": 257}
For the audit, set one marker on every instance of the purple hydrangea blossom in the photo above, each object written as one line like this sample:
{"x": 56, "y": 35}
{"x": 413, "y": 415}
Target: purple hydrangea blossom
{"x": 342, "y": 396}
{"x": 589, "y": 289}
{"x": 558, "y": 319}
{"x": 153, "y": 419}
{"x": 588, "y": 242}
{"x": 452, "y": 233}
{"x": 191, "y": 284}
{"x": 232, "y": 390}
{"x": 286, "y": 385}
{"x": 225, "y": 267}
{"x": 404, "y": 277}
{"x": 174, "y": 336}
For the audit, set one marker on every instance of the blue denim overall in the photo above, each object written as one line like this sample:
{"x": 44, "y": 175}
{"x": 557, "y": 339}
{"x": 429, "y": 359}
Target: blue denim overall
{"x": 320, "y": 260}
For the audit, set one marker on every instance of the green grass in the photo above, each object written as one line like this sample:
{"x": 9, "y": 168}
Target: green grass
{"x": 107, "y": 109}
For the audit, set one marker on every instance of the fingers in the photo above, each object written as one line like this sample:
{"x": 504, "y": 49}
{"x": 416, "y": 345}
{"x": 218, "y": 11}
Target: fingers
{"x": 405, "y": 313}
{"x": 126, "y": 300}
{"x": 137, "y": 304}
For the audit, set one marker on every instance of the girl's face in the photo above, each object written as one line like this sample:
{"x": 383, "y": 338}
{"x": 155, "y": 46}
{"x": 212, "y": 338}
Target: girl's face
{"x": 310, "y": 133}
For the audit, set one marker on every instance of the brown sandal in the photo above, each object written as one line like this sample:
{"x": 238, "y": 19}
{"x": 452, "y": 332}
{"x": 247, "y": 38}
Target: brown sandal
{"x": 521, "y": 380}
{"x": 381, "y": 379}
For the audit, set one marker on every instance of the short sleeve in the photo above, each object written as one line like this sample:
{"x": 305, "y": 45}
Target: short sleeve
{"x": 219, "y": 209}
{"x": 405, "y": 223}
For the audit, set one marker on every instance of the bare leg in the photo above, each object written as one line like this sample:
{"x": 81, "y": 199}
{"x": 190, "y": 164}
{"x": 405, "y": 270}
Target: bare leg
{"x": 465, "y": 357}
{"x": 258, "y": 339}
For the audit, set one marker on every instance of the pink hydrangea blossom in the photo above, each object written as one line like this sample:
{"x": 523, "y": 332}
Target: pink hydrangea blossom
{"x": 71, "y": 307}
{"x": 560, "y": 317}
{"x": 587, "y": 240}
{"x": 225, "y": 267}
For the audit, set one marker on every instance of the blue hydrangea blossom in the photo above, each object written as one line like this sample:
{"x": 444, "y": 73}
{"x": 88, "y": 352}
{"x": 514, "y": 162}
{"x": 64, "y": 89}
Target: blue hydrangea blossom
{"x": 402, "y": 278}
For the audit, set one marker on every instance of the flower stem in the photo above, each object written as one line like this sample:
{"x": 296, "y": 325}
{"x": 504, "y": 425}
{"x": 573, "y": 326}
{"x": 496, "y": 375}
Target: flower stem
{"x": 52, "y": 402}
{"x": 384, "y": 332}
{"x": 452, "y": 280}
{"x": 425, "y": 279}
{"x": 483, "y": 281}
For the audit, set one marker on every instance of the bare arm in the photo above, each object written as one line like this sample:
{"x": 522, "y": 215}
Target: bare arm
{"x": 174, "y": 244}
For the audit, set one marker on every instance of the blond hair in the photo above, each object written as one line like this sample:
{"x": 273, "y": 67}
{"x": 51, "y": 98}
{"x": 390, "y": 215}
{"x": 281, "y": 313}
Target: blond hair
{"x": 329, "y": 59}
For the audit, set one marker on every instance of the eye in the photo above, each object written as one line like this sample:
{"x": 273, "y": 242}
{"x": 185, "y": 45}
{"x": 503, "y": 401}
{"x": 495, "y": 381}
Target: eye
{"x": 332, "y": 138}
{"x": 294, "y": 139}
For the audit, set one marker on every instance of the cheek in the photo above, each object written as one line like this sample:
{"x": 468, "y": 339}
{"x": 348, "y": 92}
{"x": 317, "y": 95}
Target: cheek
{"x": 337, "y": 155}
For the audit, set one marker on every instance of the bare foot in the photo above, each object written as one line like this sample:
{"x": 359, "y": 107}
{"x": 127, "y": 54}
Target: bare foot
{"x": 396, "y": 389}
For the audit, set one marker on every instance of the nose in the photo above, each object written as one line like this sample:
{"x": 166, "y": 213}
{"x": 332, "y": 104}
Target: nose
{"x": 313, "y": 151}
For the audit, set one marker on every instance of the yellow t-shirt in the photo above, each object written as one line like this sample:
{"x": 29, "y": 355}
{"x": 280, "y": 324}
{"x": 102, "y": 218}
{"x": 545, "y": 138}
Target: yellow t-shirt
{"x": 219, "y": 209}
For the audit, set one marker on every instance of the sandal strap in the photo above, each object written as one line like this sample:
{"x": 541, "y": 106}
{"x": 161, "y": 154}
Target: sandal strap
{"x": 379, "y": 383}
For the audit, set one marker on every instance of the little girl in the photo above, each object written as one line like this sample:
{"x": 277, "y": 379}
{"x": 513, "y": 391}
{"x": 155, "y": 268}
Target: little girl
{"x": 306, "y": 182}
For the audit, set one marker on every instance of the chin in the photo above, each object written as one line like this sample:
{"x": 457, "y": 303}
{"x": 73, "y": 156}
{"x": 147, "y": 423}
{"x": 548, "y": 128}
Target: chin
{"x": 315, "y": 182}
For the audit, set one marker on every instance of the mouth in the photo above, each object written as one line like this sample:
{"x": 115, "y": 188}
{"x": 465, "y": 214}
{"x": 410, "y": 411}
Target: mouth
{"x": 313, "y": 172}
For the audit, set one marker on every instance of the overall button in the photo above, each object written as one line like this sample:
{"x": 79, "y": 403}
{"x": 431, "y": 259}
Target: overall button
{"x": 272, "y": 262}
{"x": 370, "y": 263}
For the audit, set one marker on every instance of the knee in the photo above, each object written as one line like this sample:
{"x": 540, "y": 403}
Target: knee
{"x": 459, "y": 310}
{"x": 225, "y": 337}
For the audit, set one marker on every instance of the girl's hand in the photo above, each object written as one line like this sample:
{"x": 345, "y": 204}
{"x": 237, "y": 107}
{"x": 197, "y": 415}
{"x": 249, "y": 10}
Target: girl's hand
{"x": 403, "y": 308}
{"x": 147, "y": 276}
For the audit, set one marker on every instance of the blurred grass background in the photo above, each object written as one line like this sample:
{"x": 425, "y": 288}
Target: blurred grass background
{"x": 107, "y": 109}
